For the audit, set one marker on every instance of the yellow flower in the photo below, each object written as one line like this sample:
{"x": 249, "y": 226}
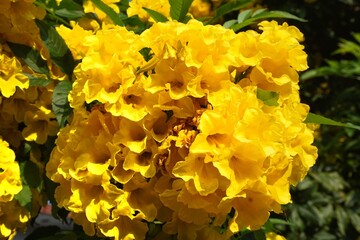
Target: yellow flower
{"x": 11, "y": 76}
{"x": 75, "y": 39}
{"x": 9, "y": 173}
{"x": 251, "y": 210}
{"x": 9, "y": 128}
{"x": 40, "y": 124}
{"x": 274, "y": 236}
{"x": 13, "y": 217}
{"x": 247, "y": 43}
{"x": 17, "y": 21}
{"x": 200, "y": 8}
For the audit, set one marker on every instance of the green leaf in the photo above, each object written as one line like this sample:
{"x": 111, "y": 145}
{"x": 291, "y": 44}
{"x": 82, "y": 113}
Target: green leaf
{"x": 179, "y": 9}
{"x": 31, "y": 57}
{"x": 258, "y": 11}
{"x": 31, "y": 174}
{"x": 331, "y": 181}
{"x": 324, "y": 235}
{"x": 314, "y": 118}
{"x": 24, "y": 197}
{"x": 158, "y": 17}
{"x": 342, "y": 219}
{"x": 279, "y": 221}
{"x": 265, "y": 15}
{"x": 268, "y": 97}
{"x": 60, "y": 103}
{"x": 59, "y": 52}
{"x": 229, "y": 7}
{"x": 259, "y": 235}
{"x": 355, "y": 220}
{"x": 53, "y": 41}
{"x": 244, "y": 15}
{"x": 109, "y": 12}
{"x": 146, "y": 53}
{"x": 69, "y": 9}
{"x": 229, "y": 23}
{"x": 37, "y": 81}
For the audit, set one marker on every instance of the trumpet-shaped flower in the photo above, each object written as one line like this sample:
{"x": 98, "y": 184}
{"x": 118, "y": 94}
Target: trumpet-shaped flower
{"x": 11, "y": 76}
{"x": 9, "y": 173}
{"x": 39, "y": 125}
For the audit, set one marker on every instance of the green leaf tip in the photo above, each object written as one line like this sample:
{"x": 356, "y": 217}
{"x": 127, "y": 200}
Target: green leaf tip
{"x": 157, "y": 16}
{"x": 179, "y": 9}
{"x": 109, "y": 12}
{"x": 318, "y": 119}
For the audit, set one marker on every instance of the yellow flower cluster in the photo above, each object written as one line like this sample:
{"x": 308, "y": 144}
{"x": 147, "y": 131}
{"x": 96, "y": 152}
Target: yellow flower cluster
{"x": 12, "y": 216}
{"x": 22, "y": 104}
{"x": 25, "y": 112}
{"x": 169, "y": 126}
{"x": 16, "y": 21}
{"x": 32, "y": 109}
{"x": 9, "y": 173}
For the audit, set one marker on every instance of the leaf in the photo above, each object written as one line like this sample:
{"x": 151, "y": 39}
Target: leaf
{"x": 109, "y": 12}
{"x": 259, "y": 235}
{"x": 179, "y": 9}
{"x": 37, "y": 81}
{"x": 60, "y": 103}
{"x": 331, "y": 181}
{"x": 69, "y": 9}
{"x": 229, "y": 7}
{"x": 265, "y": 15}
{"x": 59, "y": 52}
{"x": 24, "y": 197}
{"x": 342, "y": 219}
{"x": 146, "y": 53}
{"x": 268, "y": 97}
{"x": 244, "y": 15}
{"x": 229, "y": 23}
{"x": 31, "y": 57}
{"x": 158, "y": 17}
{"x": 318, "y": 119}
{"x": 355, "y": 220}
{"x": 305, "y": 184}
{"x": 31, "y": 174}
{"x": 258, "y": 11}
{"x": 324, "y": 235}
{"x": 279, "y": 221}
{"x": 50, "y": 188}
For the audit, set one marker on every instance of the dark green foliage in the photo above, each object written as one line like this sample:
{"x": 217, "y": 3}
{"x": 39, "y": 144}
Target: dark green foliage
{"x": 60, "y": 103}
